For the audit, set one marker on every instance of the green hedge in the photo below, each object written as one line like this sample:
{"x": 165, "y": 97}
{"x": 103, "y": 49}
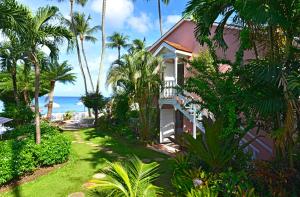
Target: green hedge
{"x": 22, "y": 155}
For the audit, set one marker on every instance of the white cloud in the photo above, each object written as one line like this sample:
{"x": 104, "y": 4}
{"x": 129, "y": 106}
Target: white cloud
{"x": 172, "y": 19}
{"x": 141, "y": 23}
{"x": 117, "y": 11}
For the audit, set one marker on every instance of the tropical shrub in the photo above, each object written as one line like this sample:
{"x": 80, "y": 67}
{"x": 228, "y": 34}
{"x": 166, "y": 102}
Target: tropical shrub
{"x": 203, "y": 192}
{"x": 135, "y": 75}
{"x": 17, "y": 158}
{"x": 189, "y": 179}
{"x": 214, "y": 149}
{"x": 28, "y": 130}
{"x": 230, "y": 183}
{"x": 54, "y": 149}
{"x": 132, "y": 179}
{"x": 184, "y": 173}
{"x": 20, "y": 154}
{"x": 273, "y": 179}
{"x": 95, "y": 101}
{"x": 21, "y": 114}
{"x": 68, "y": 115}
{"x": 120, "y": 108}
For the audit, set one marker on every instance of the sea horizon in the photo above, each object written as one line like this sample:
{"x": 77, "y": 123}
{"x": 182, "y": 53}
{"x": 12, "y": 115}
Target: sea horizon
{"x": 62, "y": 104}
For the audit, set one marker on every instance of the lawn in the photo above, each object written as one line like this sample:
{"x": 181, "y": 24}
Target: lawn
{"x": 86, "y": 160}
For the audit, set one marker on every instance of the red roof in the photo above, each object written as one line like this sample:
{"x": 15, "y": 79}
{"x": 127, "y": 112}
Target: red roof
{"x": 178, "y": 46}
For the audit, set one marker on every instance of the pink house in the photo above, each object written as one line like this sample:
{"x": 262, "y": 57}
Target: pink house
{"x": 180, "y": 43}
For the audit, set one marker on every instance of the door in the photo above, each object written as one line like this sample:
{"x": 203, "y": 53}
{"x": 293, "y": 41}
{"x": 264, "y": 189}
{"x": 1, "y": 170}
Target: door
{"x": 179, "y": 122}
{"x": 167, "y": 124}
{"x": 180, "y": 74}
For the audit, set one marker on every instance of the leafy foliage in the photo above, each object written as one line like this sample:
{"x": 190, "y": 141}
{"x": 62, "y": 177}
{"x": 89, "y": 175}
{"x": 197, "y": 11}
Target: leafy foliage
{"x": 136, "y": 76}
{"x": 20, "y": 154}
{"x": 216, "y": 151}
{"x": 132, "y": 179}
{"x": 21, "y": 114}
{"x": 204, "y": 192}
{"x": 94, "y": 101}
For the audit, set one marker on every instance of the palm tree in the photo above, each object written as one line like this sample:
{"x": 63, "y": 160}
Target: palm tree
{"x": 103, "y": 44}
{"x": 166, "y": 2}
{"x": 118, "y": 41}
{"x": 135, "y": 76}
{"x": 268, "y": 81}
{"x": 42, "y": 32}
{"x": 13, "y": 15}
{"x": 85, "y": 33}
{"x": 10, "y": 52}
{"x": 56, "y": 72}
{"x": 73, "y": 28}
{"x": 137, "y": 45}
{"x": 134, "y": 179}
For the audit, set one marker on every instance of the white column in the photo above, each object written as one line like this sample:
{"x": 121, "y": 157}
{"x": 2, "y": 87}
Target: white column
{"x": 176, "y": 68}
{"x": 194, "y": 122}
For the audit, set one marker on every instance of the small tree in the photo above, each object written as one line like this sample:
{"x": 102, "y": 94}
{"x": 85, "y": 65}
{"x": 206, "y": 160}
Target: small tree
{"x": 95, "y": 101}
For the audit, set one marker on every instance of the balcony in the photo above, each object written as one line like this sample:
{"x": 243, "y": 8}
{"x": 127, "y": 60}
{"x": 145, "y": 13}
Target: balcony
{"x": 168, "y": 89}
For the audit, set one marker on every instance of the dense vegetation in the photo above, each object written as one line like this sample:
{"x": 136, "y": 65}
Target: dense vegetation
{"x": 20, "y": 154}
{"x": 261, "y": 93}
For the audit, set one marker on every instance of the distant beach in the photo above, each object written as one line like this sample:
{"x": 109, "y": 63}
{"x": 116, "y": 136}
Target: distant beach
{"x": 62, "y": 104}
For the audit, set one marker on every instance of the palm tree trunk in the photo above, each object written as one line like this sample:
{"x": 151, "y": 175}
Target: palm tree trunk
{"x": 14, "y": 81}
{"x": 159, "y": 16}
{"x": 36, "y": 98}
{"x": 103, "y": 44}
{"x": 50, "y": 104}
{"x": 86, "y": 64}
{"x": 78, "y": 51}
{"x": 26, "y": 97}
{"x": 119, "y": 53}
{"x": 102, "y": 53}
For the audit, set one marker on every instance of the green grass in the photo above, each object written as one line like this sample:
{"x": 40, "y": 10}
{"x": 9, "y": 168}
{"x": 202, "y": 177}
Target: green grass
{"x": 85, "y": 161}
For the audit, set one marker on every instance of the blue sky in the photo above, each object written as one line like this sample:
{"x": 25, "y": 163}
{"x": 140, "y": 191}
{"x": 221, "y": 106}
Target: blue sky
{"x": 137, "y": 19}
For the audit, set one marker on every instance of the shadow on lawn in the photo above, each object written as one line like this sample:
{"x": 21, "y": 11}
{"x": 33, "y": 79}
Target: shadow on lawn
{"x": 118, "y": 148}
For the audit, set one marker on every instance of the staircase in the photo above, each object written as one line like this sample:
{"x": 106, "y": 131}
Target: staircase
{"x": 183, "y": 103}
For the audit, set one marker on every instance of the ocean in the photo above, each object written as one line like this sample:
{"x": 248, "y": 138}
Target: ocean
{"x": 62, "y": 104}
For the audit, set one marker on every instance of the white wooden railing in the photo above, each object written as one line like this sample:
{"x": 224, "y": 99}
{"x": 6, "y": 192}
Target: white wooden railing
{"x": 168, "y": 89}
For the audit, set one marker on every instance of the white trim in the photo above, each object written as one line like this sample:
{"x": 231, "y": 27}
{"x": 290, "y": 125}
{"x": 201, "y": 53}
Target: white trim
{"x": 172, "y": 49}
{"x": 167, "y": 33}
{"x": 183, "y": 53}
{"x": 176, "y": 69}
{"x": 164, "y": 45}
{"x": 261, "y": 143}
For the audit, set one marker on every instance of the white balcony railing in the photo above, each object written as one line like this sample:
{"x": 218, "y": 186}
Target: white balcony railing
{"x": 168, "y": 89}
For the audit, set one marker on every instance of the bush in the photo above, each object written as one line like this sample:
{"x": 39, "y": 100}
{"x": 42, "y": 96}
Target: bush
{"x": 190, "y": 177}
{"x": 29, "y": 131}
{"x": 20, "y": 154}
{"x": 21, "y": 114}
{"x": 54, "y": 150}
{"x": 68, "y": 115}
{"x": 18, "y": 157}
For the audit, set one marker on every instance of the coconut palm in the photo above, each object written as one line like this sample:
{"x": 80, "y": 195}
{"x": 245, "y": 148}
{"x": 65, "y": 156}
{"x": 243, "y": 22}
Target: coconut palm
{"x": 137, "y": 45}
{"x": 85, "y": 33}
{"x": 56, "y": 72}
{"x": 25, "y": 83}
{"x": 118, "y": 41}
{"x": 135, "y": 75}
{"x": 133, "y": 179}
{"x": 10, "y": 52}
{"x": 42, "y": 32}
{"x": 72, "y": 27}
{"x": 13, "y": 15}
{"x": 166, "y": 2}
{"x": 103, "y": 44}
